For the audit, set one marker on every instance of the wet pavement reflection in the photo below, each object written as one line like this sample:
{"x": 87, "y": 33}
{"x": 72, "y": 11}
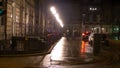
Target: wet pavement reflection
{"x": 86, "y": 48}
{"x": 58, "y": 50}
{"x": 68, "y": 52}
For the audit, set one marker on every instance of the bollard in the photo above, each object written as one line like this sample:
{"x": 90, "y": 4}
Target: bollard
{"x": 96, "y": 46}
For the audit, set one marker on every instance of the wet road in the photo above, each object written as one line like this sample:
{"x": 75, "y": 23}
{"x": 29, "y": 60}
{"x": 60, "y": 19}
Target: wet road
{"x": 65, "y": 52}
{"x": 69, "y": 52}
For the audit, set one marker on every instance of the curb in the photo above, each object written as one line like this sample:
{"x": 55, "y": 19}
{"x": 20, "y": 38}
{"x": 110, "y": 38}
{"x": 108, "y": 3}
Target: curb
{"x": 47, "y": 51}
{"x": 27, "y": 55}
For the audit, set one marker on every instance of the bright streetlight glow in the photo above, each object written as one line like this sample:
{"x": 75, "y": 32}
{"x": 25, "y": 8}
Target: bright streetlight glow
{"x": 52, "y": 9}
{"x": 54, "y": 12}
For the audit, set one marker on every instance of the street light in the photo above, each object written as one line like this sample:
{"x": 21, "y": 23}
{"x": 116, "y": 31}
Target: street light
{"x": 93, "y": 9}
{"x": 83, "y": 22}
{"x": 54, "y": 12}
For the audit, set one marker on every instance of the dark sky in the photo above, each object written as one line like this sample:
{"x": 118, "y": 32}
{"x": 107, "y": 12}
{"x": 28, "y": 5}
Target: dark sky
{"x": 69, "y": 10}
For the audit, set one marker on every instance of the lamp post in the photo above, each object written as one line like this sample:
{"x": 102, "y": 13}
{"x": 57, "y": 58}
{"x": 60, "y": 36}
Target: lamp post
{"x": 82, "y": 25}
{"x": 97, "y": 37}
{"x": 83, "y": 21}
{"x": 92, "y": 9}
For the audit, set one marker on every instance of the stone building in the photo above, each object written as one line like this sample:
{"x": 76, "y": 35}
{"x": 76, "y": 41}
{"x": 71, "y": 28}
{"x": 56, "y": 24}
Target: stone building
{"x": 19, "y": 18}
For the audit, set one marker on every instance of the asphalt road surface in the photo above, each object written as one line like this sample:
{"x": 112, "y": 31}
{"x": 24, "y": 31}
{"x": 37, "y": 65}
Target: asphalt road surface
{"x": 67, "y": 53}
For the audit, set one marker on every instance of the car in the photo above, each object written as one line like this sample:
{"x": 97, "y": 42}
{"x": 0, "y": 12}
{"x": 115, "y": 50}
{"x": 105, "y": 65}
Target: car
{"x": 85, "y": 36}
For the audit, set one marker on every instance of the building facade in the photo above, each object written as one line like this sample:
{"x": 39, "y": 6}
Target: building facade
{"x": 19, "y": 18}
{"x": 111, "y": 15}
{"x": 25, "y": 18}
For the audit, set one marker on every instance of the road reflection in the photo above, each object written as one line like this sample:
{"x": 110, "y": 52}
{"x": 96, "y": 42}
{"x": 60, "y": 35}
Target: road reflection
{"x": 83, "y": 47}
{"x": 58, "y": 50}
{"x": 68, "y": 50}
{"x": 61, "y": 49}
{"x": 86, "y": 48}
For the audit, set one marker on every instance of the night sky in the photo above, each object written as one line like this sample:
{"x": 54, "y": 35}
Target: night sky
{"x": 69, "y": 10}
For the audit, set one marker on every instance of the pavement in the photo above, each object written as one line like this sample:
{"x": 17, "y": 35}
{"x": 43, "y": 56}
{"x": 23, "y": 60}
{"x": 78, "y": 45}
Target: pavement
{"x": 23, "y": 53}
{"x": 100, "y": 57}
{"x": 28, "y": 47}
{"x": 22, "y": 59}
{"x": 67, "y": 57}
{"x": 108, "y": 55}
{"x": 103, "y": 60}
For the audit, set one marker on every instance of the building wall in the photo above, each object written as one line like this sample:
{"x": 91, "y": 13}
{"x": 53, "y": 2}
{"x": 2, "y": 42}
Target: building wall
{"x": 20, "y": 17}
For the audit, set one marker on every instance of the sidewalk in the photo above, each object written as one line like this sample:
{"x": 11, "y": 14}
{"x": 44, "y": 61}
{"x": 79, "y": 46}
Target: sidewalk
{"x": 109, "y": 54}
{"x": 24, "y": 53}
{"x": 22, "y": 59}
{"x": 30, "y": 48}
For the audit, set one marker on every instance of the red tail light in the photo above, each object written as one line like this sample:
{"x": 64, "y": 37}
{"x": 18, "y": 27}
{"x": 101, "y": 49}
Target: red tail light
{"x": 83, "y": 34}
